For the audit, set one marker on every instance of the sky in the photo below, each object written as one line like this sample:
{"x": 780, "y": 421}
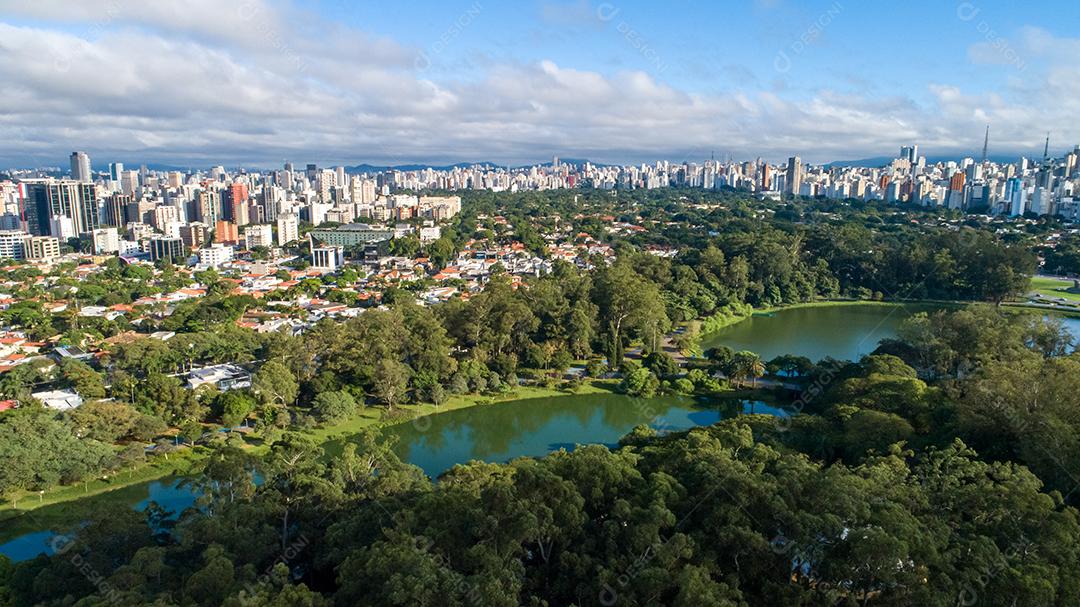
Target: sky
{"x": 257, "y": 82}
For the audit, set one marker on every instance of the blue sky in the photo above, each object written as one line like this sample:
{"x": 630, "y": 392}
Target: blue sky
{"x": 257, "y": 81}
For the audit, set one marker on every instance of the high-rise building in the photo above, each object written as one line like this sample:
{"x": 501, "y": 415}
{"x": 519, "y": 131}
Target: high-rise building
{"x": 162, "y": 247}
{"x": 208, "y": 206}
{"x": 116, "y": 169}
{"x": 226, "y": 232}
{"x": 261, "y": 235}
{"x": 14, "y": 244}
{"x": 43, "y": 248}
{"x": 80, "y": 167}
{"x": 238, "y": 204}
{"x": 106, "y": 240}
{"x": 794, "y": 175}
{"x": 46, "y": 199}
{"x": 194, "y": 235}
{"x": 288, "y": 227}
{"x": 116, "y": 207}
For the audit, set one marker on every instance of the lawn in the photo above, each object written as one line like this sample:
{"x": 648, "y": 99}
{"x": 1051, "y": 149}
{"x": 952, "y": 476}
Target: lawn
{"x": 1053, "y": 288}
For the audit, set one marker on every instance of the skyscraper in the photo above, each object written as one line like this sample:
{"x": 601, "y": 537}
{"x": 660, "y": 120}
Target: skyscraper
{"x": 115, "y": 170}
{"x": 80, "y": 167}
{"x": 794, "y": 175}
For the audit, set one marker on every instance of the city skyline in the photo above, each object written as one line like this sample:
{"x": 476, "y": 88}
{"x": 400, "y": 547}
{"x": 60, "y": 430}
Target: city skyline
{"x": 616, "y": 83}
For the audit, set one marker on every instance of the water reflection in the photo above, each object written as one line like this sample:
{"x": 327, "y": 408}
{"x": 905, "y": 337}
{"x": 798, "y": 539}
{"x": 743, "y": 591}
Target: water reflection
{"x": 534, "y": 427}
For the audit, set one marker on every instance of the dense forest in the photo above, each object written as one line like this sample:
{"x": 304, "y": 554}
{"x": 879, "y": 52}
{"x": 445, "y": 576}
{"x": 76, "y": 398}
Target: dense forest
{"x": 929, "y": 473}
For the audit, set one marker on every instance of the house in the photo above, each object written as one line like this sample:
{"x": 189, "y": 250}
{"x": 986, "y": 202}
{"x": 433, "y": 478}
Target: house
{"x": 60, "y": 400}
{"x": 225, "y": 377}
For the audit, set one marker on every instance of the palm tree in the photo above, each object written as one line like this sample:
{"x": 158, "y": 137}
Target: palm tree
{"x": 756, "y": 369}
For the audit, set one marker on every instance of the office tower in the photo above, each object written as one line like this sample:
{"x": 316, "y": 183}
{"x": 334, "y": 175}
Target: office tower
{"x": 129, "y": 182}
{"x": 794, "y": 175}
{"x": 1015, "y": 196}
{"x": 80, "y": 167}
{"x": 116, "y": 169}
{"x": 49, "y": 198}
{"x": 116, "y": 210}
{"x": 166, "y": 247}
{"x": 312, "y": 171}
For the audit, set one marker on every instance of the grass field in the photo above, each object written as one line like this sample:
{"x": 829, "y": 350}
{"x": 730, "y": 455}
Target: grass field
{"x": 1053, "y": 288}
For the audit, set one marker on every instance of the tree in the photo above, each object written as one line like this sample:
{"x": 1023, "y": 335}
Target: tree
{"x": 334, "y": 407}
{"x": 746, "y": 364}
{"x": 275, "y": 383}
{"x": 390, "y": 381}
{"x": 104, "y": 421}
{"x": 84, "y": 380}
{"x": 233, "y": 407}
{"x": 628, "y": 304}
{"x": 641, "y": 383}
{"x": 661, "y": 363}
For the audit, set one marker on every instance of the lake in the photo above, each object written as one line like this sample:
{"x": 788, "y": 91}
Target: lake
{"x": 490, "y": 433}
{"x": 534, "y": 427}
{"x": 843, "y": 331}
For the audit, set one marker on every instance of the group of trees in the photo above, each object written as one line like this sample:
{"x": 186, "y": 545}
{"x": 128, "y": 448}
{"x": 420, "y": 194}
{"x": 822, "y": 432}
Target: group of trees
{"x": 936, "y": 471}
{"x": 725, "y": 515}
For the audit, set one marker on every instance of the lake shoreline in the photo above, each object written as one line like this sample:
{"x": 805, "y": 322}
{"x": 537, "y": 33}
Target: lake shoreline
{"x": 1012, "y": 306}
{"x": 72, "y": 506}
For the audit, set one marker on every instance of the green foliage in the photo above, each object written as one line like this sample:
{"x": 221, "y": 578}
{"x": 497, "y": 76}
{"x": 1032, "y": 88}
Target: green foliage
{"x": 39, "y": 451}
{"x": 334, "y": 407}
{"x": 640, "y": 382}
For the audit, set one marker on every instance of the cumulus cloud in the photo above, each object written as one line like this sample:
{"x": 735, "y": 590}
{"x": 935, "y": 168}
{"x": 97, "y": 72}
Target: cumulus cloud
{"x": 258, "y": 82}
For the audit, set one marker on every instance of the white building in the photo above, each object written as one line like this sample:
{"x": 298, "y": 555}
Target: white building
{"x": 106, "y": 240}
{"x": 225, "y": 377}
{"x": 259, "y": 235}
{"x": 14, "y": 244}
{"x": 288, "y": 227}
{"x": 44, "y": 248}
{"x": 327, "y": 258}
{"x": 215, "y": 256}
{"x": 60, "y": 400}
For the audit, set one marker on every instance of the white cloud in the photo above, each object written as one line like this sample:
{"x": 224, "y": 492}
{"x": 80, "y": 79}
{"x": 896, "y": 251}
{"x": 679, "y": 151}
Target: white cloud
{"x": 263, "y": 82}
